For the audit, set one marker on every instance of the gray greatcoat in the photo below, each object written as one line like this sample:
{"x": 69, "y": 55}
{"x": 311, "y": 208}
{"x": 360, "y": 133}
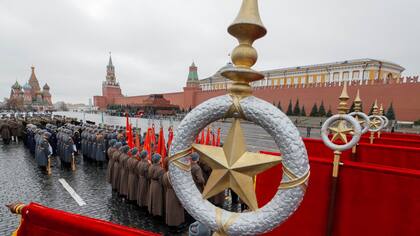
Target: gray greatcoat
{"x": 132, "y": 178}
{"x": 123, "y": 190}
{"x": 143, "y": 183}
{"x": 155, "y": 204}
{"x": 174, "y": 212}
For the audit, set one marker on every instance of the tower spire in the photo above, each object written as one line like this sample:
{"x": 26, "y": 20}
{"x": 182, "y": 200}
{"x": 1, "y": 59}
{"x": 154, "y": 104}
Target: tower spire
{"x": 110, "y": 60}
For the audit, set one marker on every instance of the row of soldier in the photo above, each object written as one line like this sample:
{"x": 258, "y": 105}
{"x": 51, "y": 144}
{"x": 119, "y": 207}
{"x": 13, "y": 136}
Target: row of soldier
{"x": 147, "y": 183}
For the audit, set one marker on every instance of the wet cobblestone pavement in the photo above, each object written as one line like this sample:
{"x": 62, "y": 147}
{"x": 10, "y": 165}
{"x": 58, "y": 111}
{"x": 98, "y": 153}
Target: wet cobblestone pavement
{"x": 21, "y": 180}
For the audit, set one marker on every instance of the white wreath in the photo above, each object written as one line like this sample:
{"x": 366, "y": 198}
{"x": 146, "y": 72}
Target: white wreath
{"x": 386, "y": 121}
{"x": 364, "y": 117}
{"x": 356, "y": 132}
{"x": 287, "y": 137}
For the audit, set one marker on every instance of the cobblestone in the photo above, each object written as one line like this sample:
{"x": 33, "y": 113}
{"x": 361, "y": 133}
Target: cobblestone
{"x": 21, "y": 180}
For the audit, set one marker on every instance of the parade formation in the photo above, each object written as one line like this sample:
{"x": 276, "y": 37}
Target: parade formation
{"x": 356, "y": 179}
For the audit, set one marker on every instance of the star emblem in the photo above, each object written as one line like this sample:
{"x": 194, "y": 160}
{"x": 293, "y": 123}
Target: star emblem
{"x": 375, "y": 123}
{"x": 340, "y": 132}
{"x": 233, "y": 167}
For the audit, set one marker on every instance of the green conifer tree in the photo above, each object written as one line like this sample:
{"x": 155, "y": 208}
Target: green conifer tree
{"x": 329, "y": 112}
{"x": 351, "y": 108}
{"x": 303, "y": 112}
{"x": 321, "y": 110}
{"x": 390, "y": 114}
{"x": 279, "y": 106}
{"x": 296, "y": 110}
{"x": 290, "y": 109}
{"x": 314, "y": 111}
{"x": 371, "y": 109}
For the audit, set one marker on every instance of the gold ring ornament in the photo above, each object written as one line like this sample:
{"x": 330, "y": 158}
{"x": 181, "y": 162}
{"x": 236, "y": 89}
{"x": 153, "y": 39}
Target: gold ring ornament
{"x": 386, "y": 121}
{"x": 364, "y": 122}
{"x": 232, "y": 165}
{"x": 340, "y": 132}
{"x": 376, "y": 123}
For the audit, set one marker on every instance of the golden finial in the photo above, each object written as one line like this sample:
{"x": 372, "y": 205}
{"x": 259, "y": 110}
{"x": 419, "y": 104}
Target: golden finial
{"x": 375, "y": 108}
{"x": 246, "y": 28}
{"x": 344, "y": 97}
{"x": 381, "y": 110}
{"x": 358, "y": 102}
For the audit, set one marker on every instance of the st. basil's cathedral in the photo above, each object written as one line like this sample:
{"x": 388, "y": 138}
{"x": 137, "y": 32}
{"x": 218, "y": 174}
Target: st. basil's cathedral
{"x": 30, "y": 97}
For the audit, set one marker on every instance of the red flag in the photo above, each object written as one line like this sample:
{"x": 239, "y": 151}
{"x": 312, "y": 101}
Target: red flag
{"x": 147, "y": 145}
{"x": 40, "y": 220}
{"x": 129, "y": 136}
{"x": 161, "y": 144}
{"x": 202, "y": 137}
{"x": 218, "y": 137}
{"x": 208, "y": 136}
{"x": 170, "y": 137}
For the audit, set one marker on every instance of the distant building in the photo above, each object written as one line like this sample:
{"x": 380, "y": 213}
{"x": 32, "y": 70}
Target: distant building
{"x": 357, "y": 72}
{"x": 312, "y": 84}
{"x": 30, "y": 96}
{"x": 153, "y": 104}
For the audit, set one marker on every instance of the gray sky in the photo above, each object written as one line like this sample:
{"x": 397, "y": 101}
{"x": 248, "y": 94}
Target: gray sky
{"x": 154, "y": 41}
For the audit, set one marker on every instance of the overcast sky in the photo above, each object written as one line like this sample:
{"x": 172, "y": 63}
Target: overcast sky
{"x": 154, "y": 41}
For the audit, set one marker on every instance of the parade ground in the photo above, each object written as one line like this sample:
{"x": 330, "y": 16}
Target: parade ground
{"x": 84, "y": 191}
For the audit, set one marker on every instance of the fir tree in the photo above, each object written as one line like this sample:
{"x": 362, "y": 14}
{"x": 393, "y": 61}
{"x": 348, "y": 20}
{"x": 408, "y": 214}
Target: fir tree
{"x": 279, "y": 106}
{"x": 289, "y": 109}
{"x": 329, "y": 112}
{"x": 321, "y": 110}
{"x": 303, "y": 112}
{"x": 390, "y": 114}
{"x": 314, "y": 111}
{"x": 296, "y": 110}
{"x": 371, "y": 109}
{"x": 351, "y": 108}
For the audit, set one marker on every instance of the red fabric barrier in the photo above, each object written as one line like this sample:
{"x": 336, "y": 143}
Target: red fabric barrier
{"x": 393, "y": 142}
{"x": 396, "y": 156}
{"x": 40, "y": 220}
{"x": 371, "y": 200}
{"x": 396, "y": 135}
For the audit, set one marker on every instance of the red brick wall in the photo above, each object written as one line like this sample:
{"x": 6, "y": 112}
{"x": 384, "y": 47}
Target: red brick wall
{"x": 404, "y": 96}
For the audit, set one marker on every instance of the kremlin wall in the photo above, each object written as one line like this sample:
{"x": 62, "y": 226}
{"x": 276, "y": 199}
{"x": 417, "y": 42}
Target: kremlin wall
{"x": 312, "y": 84}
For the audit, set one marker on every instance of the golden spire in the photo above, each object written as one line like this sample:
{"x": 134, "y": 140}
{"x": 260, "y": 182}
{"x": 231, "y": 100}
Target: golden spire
{"x": 344, "y": 97}
{"x": 358, "y": 102}
{"x": 375, "y": 108}
{"x": 246, "y": 28}
{"x": 381, "y": 110}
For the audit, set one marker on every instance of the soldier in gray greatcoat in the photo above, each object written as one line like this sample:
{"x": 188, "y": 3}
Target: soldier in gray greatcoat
{"x": 69, "y": 149}
{"x": 44, "y": 151}
{"x": 100, "y": 147}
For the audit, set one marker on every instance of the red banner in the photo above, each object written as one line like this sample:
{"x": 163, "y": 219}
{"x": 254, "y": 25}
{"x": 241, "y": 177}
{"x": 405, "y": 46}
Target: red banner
{"x": 40, "y": 220}
{"x": 371, "y": 200}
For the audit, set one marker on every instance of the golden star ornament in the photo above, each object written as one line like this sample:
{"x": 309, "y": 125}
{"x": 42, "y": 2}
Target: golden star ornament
{"x": 375, "y": 123}
{"x": 340, "y": 132}
{"x": 233, "y": 167}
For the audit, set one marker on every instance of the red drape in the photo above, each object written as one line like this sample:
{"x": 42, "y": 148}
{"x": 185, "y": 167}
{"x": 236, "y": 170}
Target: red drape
{"x": 397, "y": 136}
{"x": 392, "y": 141}
{"x": 396, "y": 156}
{"x": 40, "y": 220}
{"x": 371, "y": 200}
